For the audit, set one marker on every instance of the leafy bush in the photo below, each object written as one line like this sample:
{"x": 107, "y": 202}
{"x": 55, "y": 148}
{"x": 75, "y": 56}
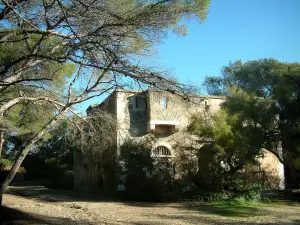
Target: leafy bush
{"x": 144, "y": 178}
{"x": 51, "y": 172}
{"x": 153, "y": 179}
{"x": 5, "y": 163}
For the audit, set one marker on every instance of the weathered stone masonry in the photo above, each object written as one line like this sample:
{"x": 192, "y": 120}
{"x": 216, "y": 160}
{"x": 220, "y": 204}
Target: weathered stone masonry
{"x": 141, "y": 115}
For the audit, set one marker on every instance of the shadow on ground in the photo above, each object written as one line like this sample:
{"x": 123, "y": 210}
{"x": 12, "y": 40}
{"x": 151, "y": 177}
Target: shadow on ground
{"x": 191, "y": 212}
{"x": 39, "y": 192}
{"x": 292, "y": 195}
{"x": 13, "y": 216}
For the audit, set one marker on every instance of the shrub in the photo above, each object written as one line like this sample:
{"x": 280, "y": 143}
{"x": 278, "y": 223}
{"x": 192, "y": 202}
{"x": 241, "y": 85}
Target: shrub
{"x": 5, "y": 164}
{"x": 144, "y": 178}
{"x": 153, "y": 179}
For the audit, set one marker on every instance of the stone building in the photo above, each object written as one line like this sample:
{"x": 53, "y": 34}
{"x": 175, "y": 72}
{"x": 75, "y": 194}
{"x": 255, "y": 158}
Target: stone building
{"x": 143, "y": 114}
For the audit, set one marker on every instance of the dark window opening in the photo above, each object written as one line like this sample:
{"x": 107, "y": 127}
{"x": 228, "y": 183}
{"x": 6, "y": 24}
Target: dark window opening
{"x": 136, "y": 102}
{"x": 206, "y": 105}
{"x": 139, "y": 103}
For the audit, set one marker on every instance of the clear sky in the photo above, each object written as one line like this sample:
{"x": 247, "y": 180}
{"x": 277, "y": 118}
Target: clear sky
{"x": 234, "y": 29}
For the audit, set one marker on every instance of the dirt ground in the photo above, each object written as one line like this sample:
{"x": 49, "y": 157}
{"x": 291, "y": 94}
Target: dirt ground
{"x": 38, "y": 205}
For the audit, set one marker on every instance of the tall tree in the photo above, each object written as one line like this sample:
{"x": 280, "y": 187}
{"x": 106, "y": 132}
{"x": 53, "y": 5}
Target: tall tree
{"x": 266, "y": 95}
{"x": 104, "y": 39}
{"x": 20, "y": 116}
{"x": 224, "y": 148}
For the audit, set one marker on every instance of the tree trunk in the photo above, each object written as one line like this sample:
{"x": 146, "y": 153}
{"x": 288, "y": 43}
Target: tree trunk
{"x": 1, "y": 141}
{"x": 22, "y": 156}
{"x": 1, "y": 211}
{"x": 1, "y": 147}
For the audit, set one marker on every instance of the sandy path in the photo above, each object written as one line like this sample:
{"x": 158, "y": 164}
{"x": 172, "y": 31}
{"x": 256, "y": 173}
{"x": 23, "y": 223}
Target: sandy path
{"x": 47, "y": 210}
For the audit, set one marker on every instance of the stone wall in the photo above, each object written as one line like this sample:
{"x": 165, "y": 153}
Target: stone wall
{"x": 93, "y": 168}
{"x": 134, "y": 119}
{"x": 273, "y": 169}
{"x": 178, "y": 109}
{"x": 108, "y": 105}
{"x": 134, "y": 124}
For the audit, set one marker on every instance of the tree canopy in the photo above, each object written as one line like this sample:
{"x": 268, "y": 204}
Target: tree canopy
{"x": 265, "y": 95}
{"x": 57, "y": 54}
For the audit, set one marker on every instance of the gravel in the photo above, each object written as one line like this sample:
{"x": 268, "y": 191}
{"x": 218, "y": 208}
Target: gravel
{"x": 41, "y": 206}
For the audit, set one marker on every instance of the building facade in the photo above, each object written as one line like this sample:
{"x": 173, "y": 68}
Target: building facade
{"x": 140, "y": 115}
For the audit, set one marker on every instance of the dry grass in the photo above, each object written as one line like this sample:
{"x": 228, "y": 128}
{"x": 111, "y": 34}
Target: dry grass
{"x": 37, "y": 205}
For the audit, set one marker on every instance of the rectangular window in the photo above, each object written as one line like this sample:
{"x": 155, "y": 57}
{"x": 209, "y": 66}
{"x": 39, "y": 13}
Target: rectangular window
{"x": 206, "y": 105}
{"x": 139, "y": 103}
{"x": 164, "y": 102}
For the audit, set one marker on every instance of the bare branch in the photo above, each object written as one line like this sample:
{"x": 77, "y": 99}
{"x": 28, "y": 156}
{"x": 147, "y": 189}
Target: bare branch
{"x": 15, "y": 101}
{"x": 8, "y": 9}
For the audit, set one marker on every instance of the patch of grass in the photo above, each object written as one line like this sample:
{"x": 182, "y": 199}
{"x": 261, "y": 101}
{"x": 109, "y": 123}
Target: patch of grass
{"x": 239, "y": 208}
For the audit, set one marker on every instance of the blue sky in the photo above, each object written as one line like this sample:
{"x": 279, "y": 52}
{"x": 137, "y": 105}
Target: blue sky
{"x": 234, "y": 29}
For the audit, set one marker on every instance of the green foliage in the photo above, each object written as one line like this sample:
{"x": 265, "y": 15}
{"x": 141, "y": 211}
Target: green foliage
{"x": 5, "y": 163}
{"x": 144, "y": 178}
{"x": 237, "y": 207}
{"x": 215, "y": 86}
{"x": 104, "y": 38}
{"x": 52, "y": 173}
{"x": 226, "y": 138}
{"x": 264, "y": 96}
{"x": 228, "y": 149}
{"x": 26, "y": 118}
{"x": 54, "y": 160}
{"x": 202, "y": 176}
{"x": 265, "y": 93}
{"x": 15, "y": 51}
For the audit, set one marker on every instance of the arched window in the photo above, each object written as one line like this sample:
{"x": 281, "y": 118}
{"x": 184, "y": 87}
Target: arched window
{"x": 161, "y": 151}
